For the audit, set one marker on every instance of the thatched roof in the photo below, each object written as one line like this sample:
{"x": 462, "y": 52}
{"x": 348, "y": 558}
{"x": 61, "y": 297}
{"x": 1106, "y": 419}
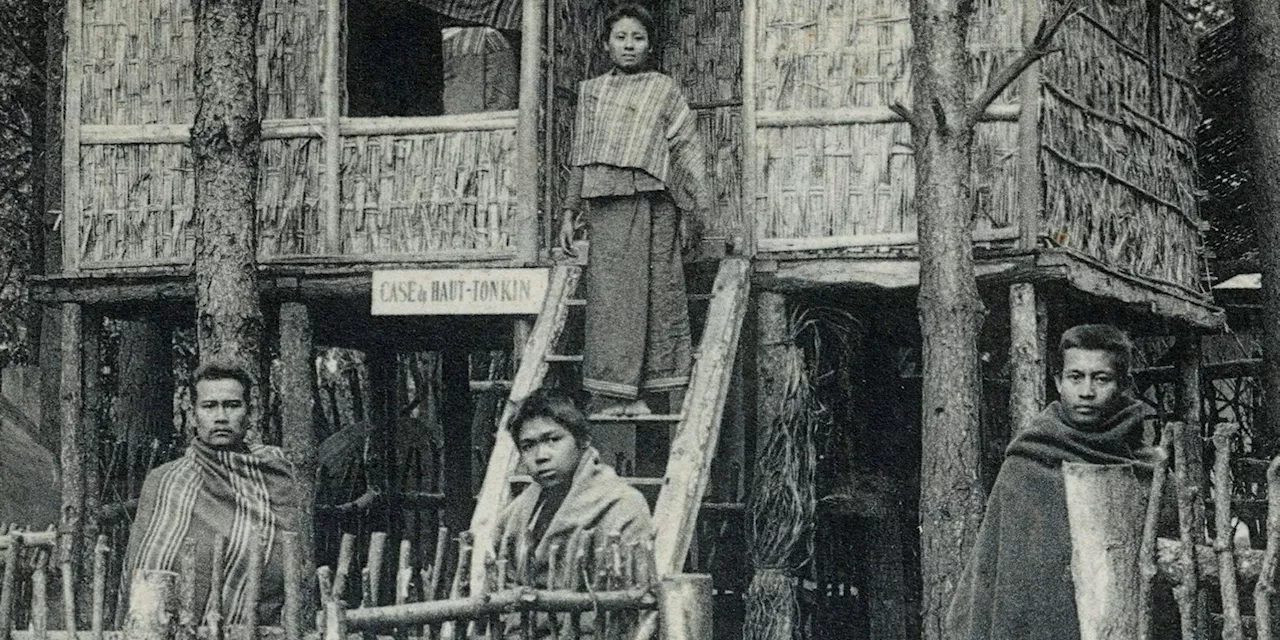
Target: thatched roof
{"x": 1221, "y": 142}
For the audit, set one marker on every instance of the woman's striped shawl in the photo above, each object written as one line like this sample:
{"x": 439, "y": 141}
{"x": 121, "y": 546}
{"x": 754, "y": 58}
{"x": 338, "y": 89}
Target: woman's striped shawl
{"x": 247, "y": 498}
{"x": 642, "y": 121}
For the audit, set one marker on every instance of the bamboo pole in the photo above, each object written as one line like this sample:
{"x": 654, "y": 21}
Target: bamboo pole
{"x": 377, "y": 549}
{"x": 217, "y": 571}
{"x": 7, "y": 587}
{"x": 1027, "y": 346}
{"x": 1266, "y": 585}
{"x": 1105, "y": 514}
{"x": 685, "y": 606}
{"x": 188, "y": 622}
{"x": 1146, "y": 553}
{"x": 153, "y": 605}
{"x": 72, "y": 87}
{"x": 291, "y": 615}
{"x": 40, "y": 596}
{"x": 346, "y": 550}
{"x": 527, "y": 155}
{"x": 68, "y": 580}
{"x": 841, "y": 116}
{"x": 752, "y": 219}
{"x": 98, "y": 606}
{"x": 1223, "y": 540}
{"x": 331, "y": 98}
{"x": 477, "y": 607}
{"x": 1186, "y": 455}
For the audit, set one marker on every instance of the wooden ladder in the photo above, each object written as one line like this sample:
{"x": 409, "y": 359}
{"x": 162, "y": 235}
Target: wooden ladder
{"x": 697, "y": 426}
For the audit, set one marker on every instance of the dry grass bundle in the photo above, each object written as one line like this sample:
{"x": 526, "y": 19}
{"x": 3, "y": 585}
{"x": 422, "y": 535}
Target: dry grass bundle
{"x": 781, "y": 508}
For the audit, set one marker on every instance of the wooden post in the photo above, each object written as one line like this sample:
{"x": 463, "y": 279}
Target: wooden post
{"x": 750, "y": 164}
{"x": 1190, "y": 458}
{"x": 1105, "y": 509}
{"x": 527, "y": 156}
{"x": 684, "y": 606}
{"x": 1187, "y": 350}
{"x": 80, "y": 389}
{"x": 71, "y": 138}
{"x": 1027, "y": 348}
{"x": 153, "y": 606}
{"x": 1147, "y": 553}
{"x": 1189, "y": 476}
{"x": 7, "y": 587}
{"x": 1030, "y": 179}
{"x": 298, "y": 435}
{"x": 1266, "y": 585}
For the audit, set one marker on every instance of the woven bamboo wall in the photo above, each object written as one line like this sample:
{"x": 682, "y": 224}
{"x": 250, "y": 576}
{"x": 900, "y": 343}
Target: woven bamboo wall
{"x": 291, "y": 194}
{"x": 428, "y": 193}
{"x": 138, "y": 66}
{"x": 136, "y": 204}
{"x": 858, "y": 179}
{"x": 1117, "y": 148}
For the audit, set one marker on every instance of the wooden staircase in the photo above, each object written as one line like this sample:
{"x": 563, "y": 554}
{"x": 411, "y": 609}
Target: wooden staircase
{"x": 696, "y": 426}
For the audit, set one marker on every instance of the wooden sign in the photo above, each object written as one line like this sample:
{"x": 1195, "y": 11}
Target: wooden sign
{"x": 459, "y": 292}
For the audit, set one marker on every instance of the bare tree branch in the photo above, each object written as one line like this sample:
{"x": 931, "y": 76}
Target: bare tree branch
{"x": 1038, "y": 49}
{"x": 906, "y": 114}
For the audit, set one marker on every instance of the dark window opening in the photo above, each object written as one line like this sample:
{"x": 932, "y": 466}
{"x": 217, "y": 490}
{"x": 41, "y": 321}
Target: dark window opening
{"x": 406, "y": 60}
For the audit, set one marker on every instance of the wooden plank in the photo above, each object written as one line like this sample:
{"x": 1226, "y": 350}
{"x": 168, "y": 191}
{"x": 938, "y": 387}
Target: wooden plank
{"x": 528, "y": 157}
{"x": 1160, "y": 299}
{"x": 71, "y": 212}
{"x": 861, "y": 115}
{"x": 881, "y": 273}
{"x": 496, "y": 490}
{"x": 694, "y": 444}
{"x": 464, "y": 122}
{"x": 331, "y": 99}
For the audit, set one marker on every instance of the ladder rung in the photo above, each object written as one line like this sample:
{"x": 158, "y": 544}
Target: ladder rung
{"x": 648, "y": 417}
{"x": 563, "y": 357}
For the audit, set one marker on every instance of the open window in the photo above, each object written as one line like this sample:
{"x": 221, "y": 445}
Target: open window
{"x": 411, "y": 58}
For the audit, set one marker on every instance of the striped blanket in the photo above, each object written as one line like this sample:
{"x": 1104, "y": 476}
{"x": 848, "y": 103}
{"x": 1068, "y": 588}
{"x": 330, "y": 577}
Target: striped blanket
{"x": 246, "y": 497}
{"x": 642, "y": 121}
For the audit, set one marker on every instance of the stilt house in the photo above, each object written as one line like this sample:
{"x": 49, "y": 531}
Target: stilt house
{"x": 432, "y": 135}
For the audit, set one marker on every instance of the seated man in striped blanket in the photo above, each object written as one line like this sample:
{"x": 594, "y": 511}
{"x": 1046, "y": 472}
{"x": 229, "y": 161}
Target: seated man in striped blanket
{"x": 221, "y": 487}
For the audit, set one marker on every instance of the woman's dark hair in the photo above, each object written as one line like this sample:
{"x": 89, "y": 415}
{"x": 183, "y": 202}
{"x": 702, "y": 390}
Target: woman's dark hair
{"x": 222, "y": 370}
{"x": 631, "y": 10}
{"x": 1098, "y": 337}
{"x": 556, "y": 406}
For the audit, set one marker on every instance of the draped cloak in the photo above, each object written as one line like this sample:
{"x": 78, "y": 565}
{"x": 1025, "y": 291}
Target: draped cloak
{"x": 248, "y": 497}
{"x": 1017, "y": 584}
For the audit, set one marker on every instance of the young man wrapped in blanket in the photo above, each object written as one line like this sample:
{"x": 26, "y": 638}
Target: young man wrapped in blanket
{"x": 576, "y": 503}
{"x": 221, "y": 487}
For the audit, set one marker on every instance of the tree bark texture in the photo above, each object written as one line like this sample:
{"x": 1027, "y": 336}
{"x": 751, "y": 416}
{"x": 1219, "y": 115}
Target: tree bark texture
{"x": 1027, "y": 342}
{"x": 1260, "y": 65}
{"x": 298, "y": 430}
{"x": 225, "y": 142}
{"x": 951, "y": 496}
{"x": 144, "y": 404}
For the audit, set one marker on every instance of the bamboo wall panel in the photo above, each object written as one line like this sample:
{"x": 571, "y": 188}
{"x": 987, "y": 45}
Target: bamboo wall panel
{"x": 136, "y": 204}
{"x": 291, "y": 195}
{"x": 428, "y": 193}
{"x": 815, "y": 54}
{"x": 1117, "y": 148}
{"x": 138, "y": 65}
{"x": 859, "y": 179}
{"x": 701, "y": 47}
{"x": 721, "y": 131}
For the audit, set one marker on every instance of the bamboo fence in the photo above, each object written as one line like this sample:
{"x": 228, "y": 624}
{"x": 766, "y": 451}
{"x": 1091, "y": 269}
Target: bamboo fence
{"x": 594, "y": 585}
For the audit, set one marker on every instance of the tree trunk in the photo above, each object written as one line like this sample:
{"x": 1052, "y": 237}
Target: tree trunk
{"x": 225, "y": 140}
{"x": 951, "y": 497}
{"x": 1260, "y": 64}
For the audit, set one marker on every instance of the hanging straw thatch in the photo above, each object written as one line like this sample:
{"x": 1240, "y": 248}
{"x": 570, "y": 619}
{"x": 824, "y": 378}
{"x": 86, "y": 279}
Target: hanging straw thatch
{"x": 782, "y": 505}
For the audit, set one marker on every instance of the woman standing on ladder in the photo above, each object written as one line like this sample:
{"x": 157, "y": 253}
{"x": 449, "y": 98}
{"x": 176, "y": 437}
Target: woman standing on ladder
{"x": 640, "y": 169}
